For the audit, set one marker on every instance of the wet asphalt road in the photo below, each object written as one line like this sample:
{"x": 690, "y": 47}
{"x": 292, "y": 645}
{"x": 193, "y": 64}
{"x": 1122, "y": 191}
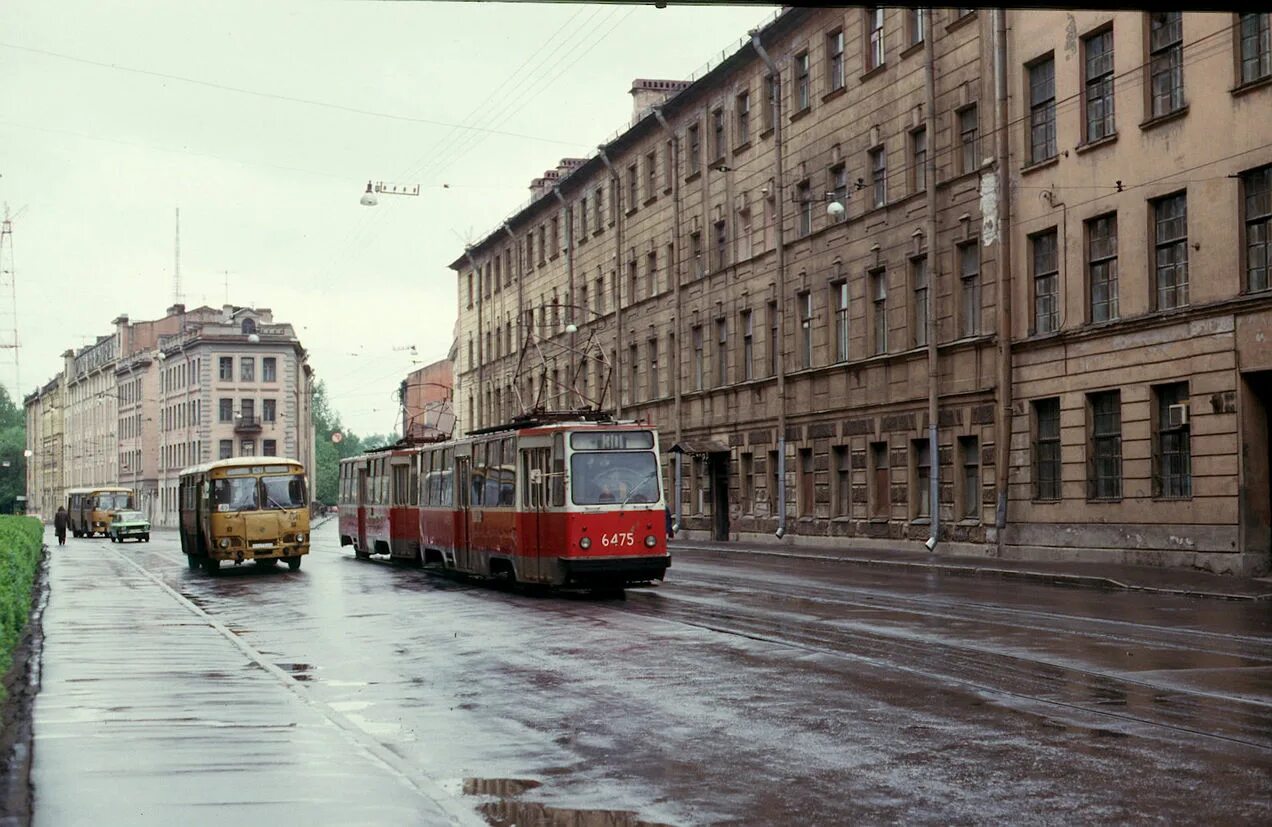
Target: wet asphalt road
{"x": 761, "y": 691}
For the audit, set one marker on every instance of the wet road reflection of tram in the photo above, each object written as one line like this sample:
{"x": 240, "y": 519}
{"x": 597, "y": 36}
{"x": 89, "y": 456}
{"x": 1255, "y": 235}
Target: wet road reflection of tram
{"x": 553, "y": 499}
{"x": 244, "y": 509}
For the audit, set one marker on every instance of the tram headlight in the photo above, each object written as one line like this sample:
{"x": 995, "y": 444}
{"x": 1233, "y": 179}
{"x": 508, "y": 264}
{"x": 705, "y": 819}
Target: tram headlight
{"x": 650, "y": 542}
{"x": 585, "y": 543}
{"x": 225, "y": 542}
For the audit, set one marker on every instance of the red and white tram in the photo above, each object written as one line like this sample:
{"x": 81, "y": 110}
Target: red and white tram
{"x": 553, "y": 499}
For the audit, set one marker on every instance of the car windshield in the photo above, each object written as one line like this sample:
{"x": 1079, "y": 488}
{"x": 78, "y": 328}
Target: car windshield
{"x": 130, "y": 516}
{"x": 283, "y": 491}
{"x": 614, "y": 477}
{"x": 235, "y": 494}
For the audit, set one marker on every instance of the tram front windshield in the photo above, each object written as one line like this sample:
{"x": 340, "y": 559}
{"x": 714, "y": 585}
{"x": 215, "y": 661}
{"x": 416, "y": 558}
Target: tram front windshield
{"x": 600, "y": 478}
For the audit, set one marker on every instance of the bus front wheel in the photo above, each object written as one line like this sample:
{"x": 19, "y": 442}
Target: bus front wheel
{"x": 211, "y": 565}
{"x": 192, "y": 562}
{"x": 293, "y": 563}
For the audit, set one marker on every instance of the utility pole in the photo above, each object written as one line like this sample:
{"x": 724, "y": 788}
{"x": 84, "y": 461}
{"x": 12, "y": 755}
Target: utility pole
{"x": 9, "y": 343}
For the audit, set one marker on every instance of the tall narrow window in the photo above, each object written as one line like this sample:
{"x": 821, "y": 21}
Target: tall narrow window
{"x": 835, "y": 59}
{"x": 768, "y": 108}
{"x": 1099, "y": 85}
{"x": 1256, "y": 186}
{"x": 919, "y": 317}
{"x": 1104, "y": 469}
{"x": 651, "y": 174}
{"x": 968, "y": 133}
{"x": 880, "y": 481}
{"x": 722, "y": 353}
{"x": 1042, "y": 110}
{"x": 969, "y": 462}
{"x": 1047, "y": 449}
{"x": 747, "y": 483}
{"x": 874, "y": 38}
{"x": 717, "y": 134}
{"x": 879, "y": 311}
{"x": 1172, "y": 449}
{"x": 721, "y": 245}
{"x": 804, "y": 192}
{"x": 839, "y": 188}
{"x": 807, "y": 483}
{"x": 920, "y": 449}
{"x": 633, "y": 281}
{"x": 774, "y": 352}
{"x": 914, "y": 26}
{"x": 1256, "y": 46}
{"x": 543, "y": 244}
{"x": 247, "y": 369}
{"x": 555, "y": 245}
{"x": 1046, "y": 282}
{"x": 1166, "y": 61}
{"x": 633, "y": 196}
{"x": 841, "y": 459}
{"x": 633, "y": 368}
{"x": 803, "y": 89}
{"x": 269, "y": 369}
{"x": 583, "y": 217}
{"x": 698, "y": 368}
{"x": 918, "y": 160}
{"x": 1102, "y": 266}
{"x": 805, "y": 303}
{"x": 694, "y": 139}
{"x": 651, "y": 273}
{"x": 969, "y": 288}
{"x": 598, "y": 213}
{"x": 744, "y": 234}
{"x": 655, "y": 383}
{"x": 1170, "y": 242}
{"x": 772, "y": 471}
{"x": 695, "y": 253}
{"x": 748, "y": 346}
{"x": 878, "y": 163}
{"x": 743, "y": 109}
{"x": 839, "y": 290}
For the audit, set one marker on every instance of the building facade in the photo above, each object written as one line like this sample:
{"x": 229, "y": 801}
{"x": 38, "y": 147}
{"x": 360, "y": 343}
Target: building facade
{"x": 426, "y": 396}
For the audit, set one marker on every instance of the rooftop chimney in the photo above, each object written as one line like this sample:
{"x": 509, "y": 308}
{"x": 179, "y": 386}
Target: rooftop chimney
{"x": 648, "y": 93}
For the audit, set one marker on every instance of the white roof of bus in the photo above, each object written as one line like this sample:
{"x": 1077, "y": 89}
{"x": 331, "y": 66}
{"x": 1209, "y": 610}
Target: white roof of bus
{"x": 238, "y": 462}
{"x": 95, "y": 488}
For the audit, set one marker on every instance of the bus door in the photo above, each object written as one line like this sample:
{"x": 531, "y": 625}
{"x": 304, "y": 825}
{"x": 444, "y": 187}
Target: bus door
{"x": 361, "y": 543}
{"x": 535, "y": 465}
{"x": 464, "y": 512}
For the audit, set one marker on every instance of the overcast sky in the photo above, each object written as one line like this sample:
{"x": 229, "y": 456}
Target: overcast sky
{"x": 115, "y": 112}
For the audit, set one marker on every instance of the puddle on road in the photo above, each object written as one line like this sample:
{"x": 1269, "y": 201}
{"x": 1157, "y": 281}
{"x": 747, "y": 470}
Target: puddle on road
{"x": 507, "y": 811}
{"x": 299, "y": 671}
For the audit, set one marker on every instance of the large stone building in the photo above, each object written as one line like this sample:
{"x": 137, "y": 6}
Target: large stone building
{"x": 157, "y": 396}
{"x": 770, "y": 277}
{"x": 426, "y": 395}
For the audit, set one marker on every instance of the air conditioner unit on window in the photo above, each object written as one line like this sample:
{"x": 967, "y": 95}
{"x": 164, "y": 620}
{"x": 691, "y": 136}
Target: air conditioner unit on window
{"x": 1177, "y": 415}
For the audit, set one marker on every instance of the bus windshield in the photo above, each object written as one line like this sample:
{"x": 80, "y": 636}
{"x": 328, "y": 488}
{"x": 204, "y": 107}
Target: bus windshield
{"x": 235, "y": 494}
{"x": 614, "y": 477}
{"x": 283, "y": 491}
{"x": 115, "y": 500}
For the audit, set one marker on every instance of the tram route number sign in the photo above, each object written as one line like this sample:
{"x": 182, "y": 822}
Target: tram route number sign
{"x": 618, "y": 538}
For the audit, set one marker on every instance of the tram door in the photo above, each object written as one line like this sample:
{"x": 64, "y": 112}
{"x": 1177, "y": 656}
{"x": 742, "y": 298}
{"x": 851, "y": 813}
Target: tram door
{"x": 361, "y": 544}
{"x": 534, "y": 470}
{"x": 463, "y": 505}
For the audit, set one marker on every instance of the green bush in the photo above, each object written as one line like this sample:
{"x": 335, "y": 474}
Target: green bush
{"x": 20, "y": 541}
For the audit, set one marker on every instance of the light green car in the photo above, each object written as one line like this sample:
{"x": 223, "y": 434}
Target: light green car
{"x": 125, "y": 524}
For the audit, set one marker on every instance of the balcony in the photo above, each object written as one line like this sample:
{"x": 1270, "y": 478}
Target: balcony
{"x": 247, "y": 425}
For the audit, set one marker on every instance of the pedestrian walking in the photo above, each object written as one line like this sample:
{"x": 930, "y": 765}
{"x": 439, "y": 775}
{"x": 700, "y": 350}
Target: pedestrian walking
{"x": 59, "y": 524}
{"x": 670, "y": 525}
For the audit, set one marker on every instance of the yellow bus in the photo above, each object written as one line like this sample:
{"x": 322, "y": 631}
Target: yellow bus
{"x": 245, "y": 508}
{"x": 89, "y": 509}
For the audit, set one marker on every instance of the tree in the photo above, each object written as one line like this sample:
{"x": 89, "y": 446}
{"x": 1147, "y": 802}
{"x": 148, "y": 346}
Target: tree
{"x": 12, "y": 453}
{"x": 327, "y": 454}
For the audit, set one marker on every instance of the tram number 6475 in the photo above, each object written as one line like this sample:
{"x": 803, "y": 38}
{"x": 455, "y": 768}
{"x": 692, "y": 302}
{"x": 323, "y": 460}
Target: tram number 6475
{"x": 619, "y": 538}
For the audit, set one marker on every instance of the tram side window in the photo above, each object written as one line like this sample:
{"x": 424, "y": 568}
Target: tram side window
{"x": 477, "y": 483}
{"x": 508, "y": 474}
{"x": 558, "y": 471}
{"x": 448, "y": 478}
{"x": 413, "y": 484}
{"x": 494, "y": 472}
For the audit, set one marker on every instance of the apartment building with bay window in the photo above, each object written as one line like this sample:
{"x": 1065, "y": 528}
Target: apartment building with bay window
{"x": 759, "y": 262}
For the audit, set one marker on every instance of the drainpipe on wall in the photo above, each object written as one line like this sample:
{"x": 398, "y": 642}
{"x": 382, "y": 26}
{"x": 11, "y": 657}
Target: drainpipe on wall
{"x": 674, "y": 269}
{"x": 617, "y": 207}
{"x": 1002, "y": 423}
{"x": 779, "y": 194}
{"x": 568, "y": 216}
{"x": 929, "y": 177}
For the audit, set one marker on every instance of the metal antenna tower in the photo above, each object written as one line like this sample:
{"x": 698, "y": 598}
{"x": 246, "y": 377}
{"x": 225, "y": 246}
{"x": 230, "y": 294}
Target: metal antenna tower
{"x": 9, "y": 344}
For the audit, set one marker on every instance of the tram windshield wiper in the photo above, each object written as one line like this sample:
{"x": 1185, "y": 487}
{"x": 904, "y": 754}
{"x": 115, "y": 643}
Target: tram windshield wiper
{"x": 639, "y": 486}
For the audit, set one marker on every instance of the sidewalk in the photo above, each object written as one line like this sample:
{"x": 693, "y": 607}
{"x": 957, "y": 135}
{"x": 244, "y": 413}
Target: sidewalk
{"x": 152, "y": 712}
{"x": 1096, "y": 575}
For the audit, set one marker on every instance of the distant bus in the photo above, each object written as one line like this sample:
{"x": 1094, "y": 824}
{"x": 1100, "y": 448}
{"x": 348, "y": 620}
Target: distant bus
{"x": 245, "y": 508}
{"x": 89, "y": 509}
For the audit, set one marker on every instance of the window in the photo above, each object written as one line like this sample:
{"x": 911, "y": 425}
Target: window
{"x": 226, "y": 367}
{"x": 225, "y": 410}
{"x": 768, "y": 107}
{"x": 878, "y": 176}
{"x": 651, "y": 273}
{"x": 722, "y": 353}
{"x": 583, "y": 217}
{"x": 880, "y": 479}
{"x": 1101, "y": 235}
{"x": 717, "y": 134}
{"x": 225, "y": 449}
{"x": 774, "y": 338}
{"x": 744, "y": 234}
{"x": 919, "y": 315}
{"x": 747, "y": 482}
{"x": 835, "y": 59}
{"x": 543, "y": 244}
{"x": 970, "y": 493}
{"x": 247, "y": 369}
{"x": 804, "y": 192}
{"x": 879, "y": 312}
{"x": 804, "y": 300}
{"x": 695, "y": 252}
{"x": 669, "y": 165}
{"x": 655, "y": 386}
{"x": 633, "y": 281}
{"x": 839, "y": 188}
{"x": 247, "y": 448}
{"x": 914, "y": 19}
{"x": 1166, "y": 61}
{"x": 600, "y": 295}
{"x": 918, "y": 160}
{"x": 874, "y": 38}
{"x": 695, "y": 149}
{"x": 1047, "y": 449}
{"x": 269, "y": 410}
{"x": 598, "y": 212}
{"x": 269, "y": 448}
{"x": 773, "y": 471}
{"x": 921, "y": 500}
{"x": 803, "y": 90}
{"x": 1256, "y": 46}
{"x": 269, "y": 369}
{"x": 807, "y": 483}
{"x": 968, "y": 132}
{"x": 721, "y": 245}
{"x": 697, "y": 358}
{"x": 1046, "y": 282}
{"x": 1170, "y": 241}
{"x": 1042, "y": 110}
{"x": 633, "y": 196}
{"x": 633, "y": 382}
{"x": 743, "y": 110}
{"x": 969, "y": 288}
{"x": 1099, "y": 85}
{"x": 1256, "y": 186}
{"x": 839, "y": 290}
{"x": 1172, "y": 449}
{"x": 841, "y": 465}
{"x": 1104, "y": 468}
{"x": 651, "y": 175}
{"x": 672, "y": 274}
{"x": 247, "y": 410}
{"x": 748, "y": 346}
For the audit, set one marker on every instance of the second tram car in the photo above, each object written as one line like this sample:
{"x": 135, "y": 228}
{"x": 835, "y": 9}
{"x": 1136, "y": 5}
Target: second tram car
{"x": 554, "y": 500}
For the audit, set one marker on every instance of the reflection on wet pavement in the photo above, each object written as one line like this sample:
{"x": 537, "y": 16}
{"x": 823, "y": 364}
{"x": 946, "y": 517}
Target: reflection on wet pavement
{"x": 507, "y": 811}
